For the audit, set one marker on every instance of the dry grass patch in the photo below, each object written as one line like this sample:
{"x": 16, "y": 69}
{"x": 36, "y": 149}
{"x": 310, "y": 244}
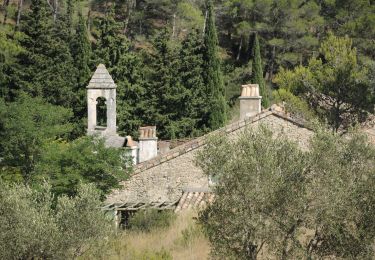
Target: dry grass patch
{"x": 182, "y": 240}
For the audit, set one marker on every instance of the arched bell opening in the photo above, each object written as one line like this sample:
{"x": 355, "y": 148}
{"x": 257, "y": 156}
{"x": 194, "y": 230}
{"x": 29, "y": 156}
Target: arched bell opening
{"x": 101, "y": 112}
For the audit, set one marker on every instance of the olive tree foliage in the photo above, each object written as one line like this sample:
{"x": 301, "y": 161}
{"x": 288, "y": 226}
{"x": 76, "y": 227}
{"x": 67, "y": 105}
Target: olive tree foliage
{"x": 273, "y": 198}
{"x": 35, "y": 225}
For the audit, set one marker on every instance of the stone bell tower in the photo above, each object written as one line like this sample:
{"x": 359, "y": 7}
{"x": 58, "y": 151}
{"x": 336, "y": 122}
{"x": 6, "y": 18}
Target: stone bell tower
{"x": 102, "y": 86}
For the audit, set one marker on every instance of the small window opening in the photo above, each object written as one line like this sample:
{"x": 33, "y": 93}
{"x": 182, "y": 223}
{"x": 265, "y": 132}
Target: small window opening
{"x": 101, "y": 112}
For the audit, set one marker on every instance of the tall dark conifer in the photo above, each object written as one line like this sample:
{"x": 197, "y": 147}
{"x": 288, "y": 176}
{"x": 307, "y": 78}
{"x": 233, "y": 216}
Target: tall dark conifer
{"x": 257, "y": 70}
{"x": 128, "y": 75}
{"x": 213, "y": 76}
{"x": 45, "y": 66}
{"x": 114, "y": 50}
{"x": 81, "y": 51}
{"x": 111, "y": 43}
{"x": 159, "y": 84}
{"x": 191, "y": 77}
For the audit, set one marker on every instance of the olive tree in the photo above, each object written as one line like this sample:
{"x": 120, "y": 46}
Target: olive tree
{"x": 274, "y": 199}
{"x": 35, "y": 225}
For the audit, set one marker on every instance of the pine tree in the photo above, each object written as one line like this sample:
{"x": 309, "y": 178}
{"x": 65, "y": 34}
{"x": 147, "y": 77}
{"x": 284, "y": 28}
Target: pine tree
{"x": 45, "y": 66}
{"x": 213, "y": 77}
{"x": 257, "y": 71}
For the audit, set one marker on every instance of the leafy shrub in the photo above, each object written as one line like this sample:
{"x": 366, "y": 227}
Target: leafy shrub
{"x": 146, "y": 220}
{"x": 35, "y": 226}
{"x": 294, "y": 105}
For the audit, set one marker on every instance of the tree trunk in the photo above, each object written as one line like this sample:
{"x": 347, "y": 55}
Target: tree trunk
{"x": 239, "y": 49}
{"x": 6, "y": 4}
{"x": 131, "y": 5}
{"x": 205, "y": 22}
{"x": 19, "y": 13}
{"x": 272, "y": 63}
{"x": 89, "y": 21}
{"x": 55, "y": 6}
{"x": 174, "y": 26}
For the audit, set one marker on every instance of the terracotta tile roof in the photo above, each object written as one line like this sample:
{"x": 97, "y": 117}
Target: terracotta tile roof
{"x": 194, "y": 199}
{"x": 101, "y": 79}
{"x": 200, "y": 141}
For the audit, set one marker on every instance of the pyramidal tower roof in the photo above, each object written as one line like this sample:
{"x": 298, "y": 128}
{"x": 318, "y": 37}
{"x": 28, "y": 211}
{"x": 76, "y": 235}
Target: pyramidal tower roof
{"x": 101, "y": 79}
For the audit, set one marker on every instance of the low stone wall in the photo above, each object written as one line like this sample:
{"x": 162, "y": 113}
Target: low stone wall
{"x": 165, "y": 177}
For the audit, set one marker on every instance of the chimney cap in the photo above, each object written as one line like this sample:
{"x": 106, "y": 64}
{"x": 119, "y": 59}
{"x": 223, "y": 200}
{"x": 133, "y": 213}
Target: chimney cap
{"x": 147, "y": 132}
{"x": 130, "y": 142}
{"x": 250, "y": 90}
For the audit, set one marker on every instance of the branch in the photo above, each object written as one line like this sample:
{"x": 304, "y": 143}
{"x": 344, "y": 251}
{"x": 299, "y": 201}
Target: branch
{"x": 50, "y": 5}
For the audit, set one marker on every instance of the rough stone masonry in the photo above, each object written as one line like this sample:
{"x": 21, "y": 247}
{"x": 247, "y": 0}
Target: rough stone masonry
{"x": 165, "y": 177}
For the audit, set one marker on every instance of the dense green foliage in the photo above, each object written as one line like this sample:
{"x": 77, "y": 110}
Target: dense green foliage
{"x": 334, "y": 84}
{"x": 294, "y": 204}
{"x": 33, "y": 148}
{"x": 25, "y": 126}
{"x": 35, "y": 226}
{"x": 67, "y": 164}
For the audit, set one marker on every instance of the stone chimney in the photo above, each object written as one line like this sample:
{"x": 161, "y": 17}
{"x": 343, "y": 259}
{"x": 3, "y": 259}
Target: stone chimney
{"x": 250, "y": 101}
{"x": 148, "y": 143}
{"x": 133, "y": 148}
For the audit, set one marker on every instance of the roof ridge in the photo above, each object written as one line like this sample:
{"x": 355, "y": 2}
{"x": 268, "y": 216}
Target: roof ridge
{"x": 200, "y": 141}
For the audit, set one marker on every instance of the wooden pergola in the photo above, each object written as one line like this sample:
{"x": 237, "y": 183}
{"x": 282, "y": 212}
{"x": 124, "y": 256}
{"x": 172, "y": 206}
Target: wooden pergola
{"x": 122, "y": 211}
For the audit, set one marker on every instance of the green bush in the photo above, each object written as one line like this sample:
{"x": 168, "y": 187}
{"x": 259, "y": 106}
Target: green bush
{"x": 35, "y": 225}
{"x": 149, "y": 219}
{"x": 294, "y": 105}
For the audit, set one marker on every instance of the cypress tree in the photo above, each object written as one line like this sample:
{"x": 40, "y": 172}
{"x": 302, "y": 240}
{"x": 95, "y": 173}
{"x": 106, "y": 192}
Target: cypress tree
{"x": 128, "y": 75}
{"x": 216, "y": 115}
{"x": 81, "y": 51}
{"x": 112, "y": 43}
{"x": 191, "y": 78}
{"x": 159, "y": 85}
{"x": 257, "y": 70}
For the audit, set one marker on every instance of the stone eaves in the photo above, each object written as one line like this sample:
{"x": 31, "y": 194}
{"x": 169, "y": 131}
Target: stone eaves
{"x": 200, "y": 141}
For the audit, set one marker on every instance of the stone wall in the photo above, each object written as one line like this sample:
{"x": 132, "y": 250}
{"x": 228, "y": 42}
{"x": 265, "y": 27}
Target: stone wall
{"x": 165, "y": 177}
